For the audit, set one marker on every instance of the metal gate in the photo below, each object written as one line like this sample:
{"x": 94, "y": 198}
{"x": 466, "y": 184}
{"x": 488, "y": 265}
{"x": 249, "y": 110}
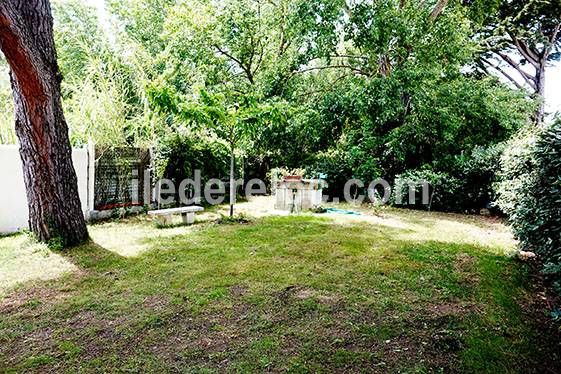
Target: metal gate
{"x": 122, "y": 177}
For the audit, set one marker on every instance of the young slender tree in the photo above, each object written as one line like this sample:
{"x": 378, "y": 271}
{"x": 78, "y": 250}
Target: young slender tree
{"x": 26, "y": 39}
{"x": 232, "y": 121}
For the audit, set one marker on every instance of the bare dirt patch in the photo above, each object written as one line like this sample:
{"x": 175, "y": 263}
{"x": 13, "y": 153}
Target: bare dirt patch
{"x": 238, "y": 290}
{"x": 464, "y": 266}
{"x": 453, "y": 309}
{"x": 156, "y": 302}
{"x": 36, "y": 295}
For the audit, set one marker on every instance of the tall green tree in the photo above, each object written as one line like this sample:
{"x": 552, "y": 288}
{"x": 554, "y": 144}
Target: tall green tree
{"x": 241, "y": 53}
{"x": 519, "y": 38}
{"x": 103, "y": 86}
{"x": 78, "y": 37}
{"x": 143, "y": 20}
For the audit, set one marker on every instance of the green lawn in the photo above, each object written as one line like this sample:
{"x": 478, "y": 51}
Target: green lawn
{"x": 405, "y": 292}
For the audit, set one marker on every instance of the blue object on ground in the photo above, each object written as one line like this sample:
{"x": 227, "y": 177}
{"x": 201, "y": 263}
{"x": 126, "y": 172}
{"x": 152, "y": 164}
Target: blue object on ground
{"x": 341, "y": 211}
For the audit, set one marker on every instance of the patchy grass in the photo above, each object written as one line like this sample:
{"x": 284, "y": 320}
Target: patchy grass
{"x": 387, "y": 292}
{"x": 21, "y": 260}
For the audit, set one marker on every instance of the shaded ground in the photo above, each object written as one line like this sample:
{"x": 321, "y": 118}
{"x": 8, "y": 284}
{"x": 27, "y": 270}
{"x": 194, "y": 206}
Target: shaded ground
{"x": 393, "y": 291}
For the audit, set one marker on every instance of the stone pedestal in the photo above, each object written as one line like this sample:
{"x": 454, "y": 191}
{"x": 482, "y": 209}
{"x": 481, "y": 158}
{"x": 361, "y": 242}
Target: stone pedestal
{"x": 298, "y": 196}
{"x": 188, "y": 218}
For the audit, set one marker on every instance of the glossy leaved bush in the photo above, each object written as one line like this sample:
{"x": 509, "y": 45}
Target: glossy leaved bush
{"x": 530, "y": 193}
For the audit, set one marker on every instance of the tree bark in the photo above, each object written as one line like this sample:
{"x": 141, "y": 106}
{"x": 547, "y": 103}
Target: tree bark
{"x": 438, "y": 9}
{"x": 26, "y": 39}
{"x": 540, "y": 92}
{"x": 232, "y": 181}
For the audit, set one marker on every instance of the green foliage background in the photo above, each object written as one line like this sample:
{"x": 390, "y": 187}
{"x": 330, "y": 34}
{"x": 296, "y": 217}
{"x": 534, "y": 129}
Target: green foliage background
{"x": 351, "y": 90}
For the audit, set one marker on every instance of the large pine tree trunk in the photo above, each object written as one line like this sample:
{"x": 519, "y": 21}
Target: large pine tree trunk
{"x": 26, "y": 39}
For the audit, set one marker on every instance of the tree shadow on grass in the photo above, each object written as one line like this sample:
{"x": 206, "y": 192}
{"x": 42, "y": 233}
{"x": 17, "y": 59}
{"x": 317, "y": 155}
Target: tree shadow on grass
{"x": 84, "y": 262}
{"x": 93, "y": 257}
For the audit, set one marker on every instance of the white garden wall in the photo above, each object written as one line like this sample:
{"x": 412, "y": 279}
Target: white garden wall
{"x": 13, "y": 199}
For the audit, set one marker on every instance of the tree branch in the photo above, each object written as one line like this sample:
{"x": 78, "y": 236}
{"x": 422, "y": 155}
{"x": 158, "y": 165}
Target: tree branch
{"x": 237, "y": 61}
{"x": 341, "y": 66}
{"x": 352, "y": 57}
{"x": 529, "y": 79}
{"x": 500, "y": 70}
{"x": 438, "y": 9}
{"x": 347, "y": 9}
{"x": 552, "y": 39}
{"x": 525, "y": 51}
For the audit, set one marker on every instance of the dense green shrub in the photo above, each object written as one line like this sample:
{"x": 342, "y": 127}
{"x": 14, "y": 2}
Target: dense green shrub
{"x": 178, "y": 156}
{"x": 465, "y": 186}
{"x": 334, "y": 166}
{"x": 530, "y": 193}
{"x": 477, "y": 173}
{"x": 443, "y": 189}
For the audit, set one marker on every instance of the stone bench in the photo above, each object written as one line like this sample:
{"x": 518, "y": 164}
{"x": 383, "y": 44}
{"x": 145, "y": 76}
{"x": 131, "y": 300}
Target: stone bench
{"x": 164, "y": 216}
